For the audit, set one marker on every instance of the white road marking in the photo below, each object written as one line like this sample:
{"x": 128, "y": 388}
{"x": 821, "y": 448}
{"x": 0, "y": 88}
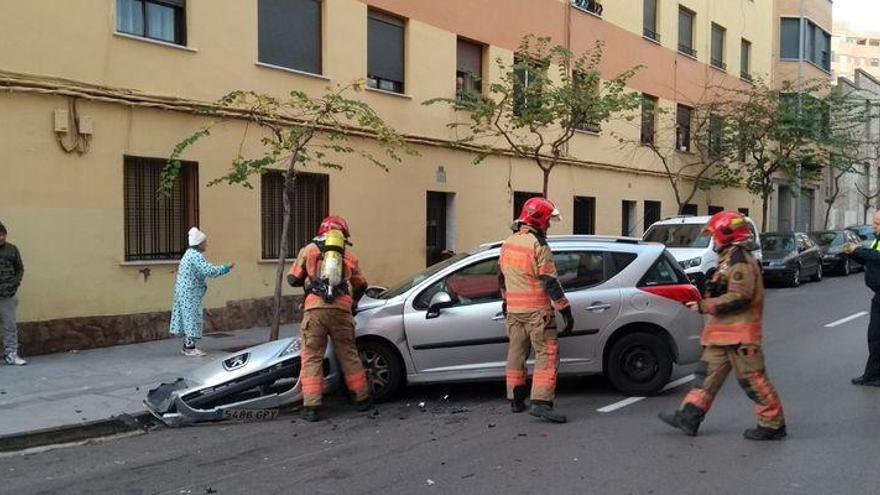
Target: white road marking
{"x": 632, "y": 400}
{"x": 844, "y": 320}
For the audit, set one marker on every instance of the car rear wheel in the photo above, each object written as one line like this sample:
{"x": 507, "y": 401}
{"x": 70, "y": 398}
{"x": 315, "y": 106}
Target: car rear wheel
{"x": 795, "y": 278}
{"x": 818, "y": 276}
{"x": 639, "y": 364}
{"x": 383, "y": 367}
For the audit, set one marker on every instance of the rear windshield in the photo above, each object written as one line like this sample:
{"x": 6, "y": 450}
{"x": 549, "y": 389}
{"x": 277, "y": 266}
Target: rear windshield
{"x": 829, "y": 239}
{"x": 686, "y": 235}
{"x": 777, "y": 243}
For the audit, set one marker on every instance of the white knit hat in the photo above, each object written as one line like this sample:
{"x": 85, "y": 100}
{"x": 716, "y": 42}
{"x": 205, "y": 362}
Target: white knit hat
{"x": 196, "y": 237}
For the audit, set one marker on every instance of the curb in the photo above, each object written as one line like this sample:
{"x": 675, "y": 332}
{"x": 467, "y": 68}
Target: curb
{"x": 115, "y": 425}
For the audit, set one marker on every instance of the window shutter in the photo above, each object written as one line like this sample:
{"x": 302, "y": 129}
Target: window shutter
{"x": 290, "y": 34}
{"x": 470, "y": 57}
{"x": 385, "y": 40}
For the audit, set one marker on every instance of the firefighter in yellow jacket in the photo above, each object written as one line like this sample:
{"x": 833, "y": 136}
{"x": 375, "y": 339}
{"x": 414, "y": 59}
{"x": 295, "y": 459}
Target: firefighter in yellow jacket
{"x": 731, "y": 337}
{"x": 333, "y": 285}
{"x": 531, "y": 292}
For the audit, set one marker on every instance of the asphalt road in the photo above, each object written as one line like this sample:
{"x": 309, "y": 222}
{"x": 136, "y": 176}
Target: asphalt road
{"x": 469, "y": 443}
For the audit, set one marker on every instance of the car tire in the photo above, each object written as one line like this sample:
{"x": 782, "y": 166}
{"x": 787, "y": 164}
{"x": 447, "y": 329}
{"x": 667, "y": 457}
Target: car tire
{"x": 384, "y": 369}
{"x": 639, "y": 364}
{"x": 818, "y": 276}
{"x": 795, "y": 279}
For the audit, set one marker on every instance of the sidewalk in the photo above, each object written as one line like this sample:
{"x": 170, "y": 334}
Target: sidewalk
{"x": 70, "y": 388}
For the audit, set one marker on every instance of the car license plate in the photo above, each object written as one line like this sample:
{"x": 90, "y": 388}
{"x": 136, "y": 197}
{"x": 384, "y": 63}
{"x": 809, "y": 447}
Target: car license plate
{"x": 250, "y": 414}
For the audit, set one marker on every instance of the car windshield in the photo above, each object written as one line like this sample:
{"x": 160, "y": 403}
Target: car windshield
{"x": 686, "y": 235}
{"x": 829, "y": 239}
{"x": 411, "y": 282}
{"x": 777, "y": 243}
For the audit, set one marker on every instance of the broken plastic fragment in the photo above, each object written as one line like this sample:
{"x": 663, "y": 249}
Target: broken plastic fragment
{"x": 430, "y": 482}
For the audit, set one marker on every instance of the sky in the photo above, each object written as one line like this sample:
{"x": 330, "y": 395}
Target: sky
{"x": 863, "y": 15}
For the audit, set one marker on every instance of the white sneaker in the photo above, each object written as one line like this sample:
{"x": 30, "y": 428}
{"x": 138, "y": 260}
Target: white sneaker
{"x": 14, "y": 360}
{"x": 194, "y": 352}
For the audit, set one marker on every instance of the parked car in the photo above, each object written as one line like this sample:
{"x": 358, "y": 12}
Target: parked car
{"x": 695, "y": 251}
{"x": 790, "y": 256}
{"x": 865, "y": 233}
{"x": 831, "y": 243}
{"x": 445, "y": 323}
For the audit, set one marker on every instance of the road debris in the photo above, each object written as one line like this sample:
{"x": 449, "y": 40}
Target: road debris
{"x": 430, "y": 482}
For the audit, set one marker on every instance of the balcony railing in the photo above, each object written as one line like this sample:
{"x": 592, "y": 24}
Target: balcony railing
{"x": 687, "y": 50}
{"x": 651, "y": 34}
{"x": 591, "y": 6}
{"x": 719, "y": 64}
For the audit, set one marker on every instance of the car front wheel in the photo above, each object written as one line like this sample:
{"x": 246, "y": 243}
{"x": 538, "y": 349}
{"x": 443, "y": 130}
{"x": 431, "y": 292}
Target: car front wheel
{"x": 639, "y": 364}
{"x": 795, "y": 279}
{"x": 818, "y": 276}
{"x": 383, "y": 367}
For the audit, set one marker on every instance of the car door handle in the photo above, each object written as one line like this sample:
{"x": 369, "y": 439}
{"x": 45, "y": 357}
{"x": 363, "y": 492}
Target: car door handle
{"x": 498, "y": 317}
{"x": 598, "y": 307}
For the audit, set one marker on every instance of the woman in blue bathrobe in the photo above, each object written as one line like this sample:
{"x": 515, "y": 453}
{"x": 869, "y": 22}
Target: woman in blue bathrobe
{"x": 189, "y": 292}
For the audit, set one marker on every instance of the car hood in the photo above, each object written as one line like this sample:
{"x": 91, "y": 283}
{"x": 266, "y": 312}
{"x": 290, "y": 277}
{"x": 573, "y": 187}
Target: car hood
{"x": 682, "y": 254}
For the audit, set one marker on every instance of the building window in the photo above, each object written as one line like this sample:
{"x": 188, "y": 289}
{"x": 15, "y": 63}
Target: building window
{"x": 744, "y": 211}
{"x": 309, "y": 205}
{"x": 385, "y": 52}
{"x": 713, "y": 209}
{"x": 718, "y": 33}
{"x": 584, "y": 215}
{"x": 156, "y": 226}
{"x": 290, "y": 34}
{"x": 874, "y": 42}
{"x": 716, "y": 136}
{"x": 652, "y": 213}
{"x": 583, "y": 84}
{"x": 439, "y": 226}
{"x": 591, "y": 6}
{"x": 628, "y": 218}
{"x": 875, "y": 62}
{"x": 745, "y": 60}
{"x": 689, "y": 209}
{"x": 649, "y": 20}
{"x": 789, "y": 38}
{"x": 469, "y": 71}
{"x": 686, "y": 32}
{"x": 683, "y": 128}
{"x": 163, "y": 20}
{"x": 649, "y": 118}
{"x": 520, "y": 198}
{"x": 524, "y": 79}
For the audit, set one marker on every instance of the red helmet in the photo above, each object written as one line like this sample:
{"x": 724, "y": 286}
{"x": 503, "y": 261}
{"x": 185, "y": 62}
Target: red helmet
{"x": 728, "y": 227}
{"x": 537, "y": 213}
{"x": 334, "y": 222}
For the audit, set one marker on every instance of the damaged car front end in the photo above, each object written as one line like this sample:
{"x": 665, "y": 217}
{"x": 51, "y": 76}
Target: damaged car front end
{"x": 260, "y": 378}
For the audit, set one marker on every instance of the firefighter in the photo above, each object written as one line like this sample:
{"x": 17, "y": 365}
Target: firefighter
{"x": 333, "y": 285}
{"x": 733, "y": 303}
{"x": 530, "y": 293}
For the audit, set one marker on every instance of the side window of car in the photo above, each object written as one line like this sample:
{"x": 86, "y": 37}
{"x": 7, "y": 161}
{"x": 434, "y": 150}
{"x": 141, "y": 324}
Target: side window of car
{"x": 580, "y": 269}
{"x": 665, "y": 271}
{"x": 617, "y": 262}
{"x": 474, "y": 284}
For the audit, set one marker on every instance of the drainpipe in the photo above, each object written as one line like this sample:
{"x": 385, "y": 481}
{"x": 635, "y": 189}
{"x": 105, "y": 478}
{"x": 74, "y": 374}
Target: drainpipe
{"x": 800, "y": 84}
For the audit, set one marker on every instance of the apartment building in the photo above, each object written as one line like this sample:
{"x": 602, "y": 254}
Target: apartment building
{"x": 96, "y": 93}
{"x": 853, "y": 50}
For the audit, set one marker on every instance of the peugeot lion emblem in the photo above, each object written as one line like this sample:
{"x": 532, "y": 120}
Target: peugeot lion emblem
{"x": 236, "y": 362}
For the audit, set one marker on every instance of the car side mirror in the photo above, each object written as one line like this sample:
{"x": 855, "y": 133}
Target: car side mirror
{"x": 374, "y": 291}
{"x": 439, "y": 301}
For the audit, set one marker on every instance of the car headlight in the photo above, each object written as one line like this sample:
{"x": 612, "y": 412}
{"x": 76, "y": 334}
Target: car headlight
{"x": 294, "y": 347}
{"x": 691, "y": 263}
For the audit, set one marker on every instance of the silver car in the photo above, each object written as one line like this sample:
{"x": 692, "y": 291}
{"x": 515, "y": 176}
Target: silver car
{"x": 445, "y": 323}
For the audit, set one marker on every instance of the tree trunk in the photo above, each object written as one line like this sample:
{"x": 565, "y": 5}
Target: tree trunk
{"x": 289, "y": 184}
{"x": 546, "y": 172}
{"x": 830, "y": 204}
{"x": 765, "y": 199}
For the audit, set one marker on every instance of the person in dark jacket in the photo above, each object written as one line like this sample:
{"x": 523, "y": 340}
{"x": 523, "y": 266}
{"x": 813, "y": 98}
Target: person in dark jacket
{"x": 11, "y": 273}
{"x": 870, "y": 258}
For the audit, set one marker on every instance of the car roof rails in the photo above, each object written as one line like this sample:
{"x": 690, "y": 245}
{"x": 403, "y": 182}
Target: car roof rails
{"x": 574, "y": 238}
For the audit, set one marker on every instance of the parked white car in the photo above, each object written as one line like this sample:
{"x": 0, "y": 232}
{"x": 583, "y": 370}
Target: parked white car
{"x": 685, "y": 239}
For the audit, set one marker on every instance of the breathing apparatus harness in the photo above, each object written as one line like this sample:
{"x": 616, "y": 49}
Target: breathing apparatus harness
{"x": 330, "y": 283}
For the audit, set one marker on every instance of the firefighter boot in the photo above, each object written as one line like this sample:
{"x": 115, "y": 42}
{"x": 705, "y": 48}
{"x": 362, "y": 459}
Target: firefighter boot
{"x": 364, "y": 405}
{"x": 518, "y": 404}
{"x": 310, "y": 414}
{"x": 683, "y": 422}
{"x": 764, "y": 433}
{"x": 544, "y": 410}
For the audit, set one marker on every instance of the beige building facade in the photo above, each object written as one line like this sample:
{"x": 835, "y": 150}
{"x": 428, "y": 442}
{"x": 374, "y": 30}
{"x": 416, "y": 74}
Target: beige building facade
{"x": 94, "y": 101}
{"x": 854, "y": 50}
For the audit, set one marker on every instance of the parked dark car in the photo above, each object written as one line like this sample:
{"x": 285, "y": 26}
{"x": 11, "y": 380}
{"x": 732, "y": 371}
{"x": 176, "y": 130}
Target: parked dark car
{"x": 865, "y": 233}
{"x": 789, "y": 257}
{"x": 831, "y": 243}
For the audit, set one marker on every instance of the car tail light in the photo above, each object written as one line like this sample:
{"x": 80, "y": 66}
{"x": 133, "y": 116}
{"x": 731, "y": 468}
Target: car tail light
{"x": 683, "y": 293}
